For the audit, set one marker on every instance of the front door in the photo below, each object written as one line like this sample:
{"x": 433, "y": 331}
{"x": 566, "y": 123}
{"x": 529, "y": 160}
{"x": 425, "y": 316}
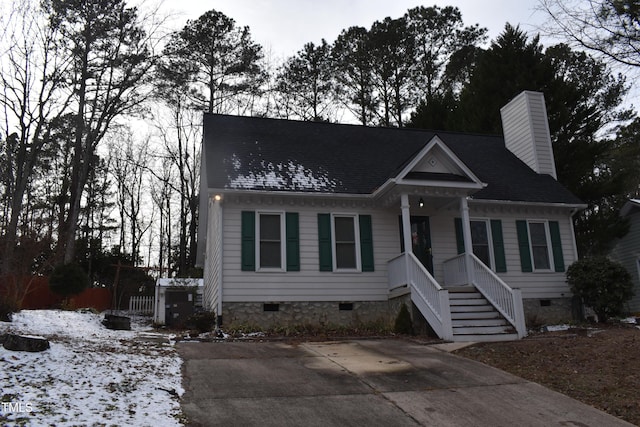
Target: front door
{"x": 421, "y": 240}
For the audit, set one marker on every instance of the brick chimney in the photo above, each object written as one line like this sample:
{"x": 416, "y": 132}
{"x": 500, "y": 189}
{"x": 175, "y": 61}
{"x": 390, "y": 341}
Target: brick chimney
{"x": 526, "y": 131}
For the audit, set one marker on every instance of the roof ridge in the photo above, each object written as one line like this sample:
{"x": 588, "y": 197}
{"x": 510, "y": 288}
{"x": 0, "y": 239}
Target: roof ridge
{"x": 356, "y": 125}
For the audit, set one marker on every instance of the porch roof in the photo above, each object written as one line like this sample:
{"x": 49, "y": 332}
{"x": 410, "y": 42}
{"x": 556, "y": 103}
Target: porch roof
{"x": 248, "y": 153}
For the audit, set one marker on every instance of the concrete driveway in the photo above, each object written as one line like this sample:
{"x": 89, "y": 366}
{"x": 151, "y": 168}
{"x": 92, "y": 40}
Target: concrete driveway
{"x": 363, "y": 383}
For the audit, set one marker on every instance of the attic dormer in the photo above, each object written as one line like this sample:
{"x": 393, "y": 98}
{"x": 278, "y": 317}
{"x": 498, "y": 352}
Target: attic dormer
{"x": 526, "y": 131}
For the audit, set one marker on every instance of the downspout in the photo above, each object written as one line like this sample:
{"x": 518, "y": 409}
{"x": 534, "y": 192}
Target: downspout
{"x": 573, "y": 233}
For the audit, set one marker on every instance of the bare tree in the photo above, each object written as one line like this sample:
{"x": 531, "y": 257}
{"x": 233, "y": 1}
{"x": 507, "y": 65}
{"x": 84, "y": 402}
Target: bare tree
{"x": 111, "y": 58}
{"x": 608, "y": 28}
{"x": 129, "y": 167}
{"x": 29, "y": 98}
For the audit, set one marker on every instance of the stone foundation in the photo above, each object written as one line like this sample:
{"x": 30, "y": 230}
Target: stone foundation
{"x": 539, "y": 312}
{"x": 319, "y": 314}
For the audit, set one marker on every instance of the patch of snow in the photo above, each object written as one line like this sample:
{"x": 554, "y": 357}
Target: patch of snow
{"x": 280, "y": 176}
{"x": 631, "y": 320}
{"x": 91, "y": 375}
{"x": 557, "y": 328}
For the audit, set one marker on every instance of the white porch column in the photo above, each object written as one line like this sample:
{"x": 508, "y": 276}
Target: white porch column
{"x": 466, "y": 233}
{"x": 406, "y": 223}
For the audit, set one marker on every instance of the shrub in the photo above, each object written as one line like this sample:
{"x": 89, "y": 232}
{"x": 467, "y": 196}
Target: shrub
{"x": 202, "y": 322}
{"x": 603, "y": 284}
{"x": 403, "y": 323}
{"x": 68, "y": 279}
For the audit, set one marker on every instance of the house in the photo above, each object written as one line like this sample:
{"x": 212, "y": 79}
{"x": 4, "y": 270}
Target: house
{"x": 176, "y": 299}
{"x": 627, "y": 250}
{"x": 307, "y": 222}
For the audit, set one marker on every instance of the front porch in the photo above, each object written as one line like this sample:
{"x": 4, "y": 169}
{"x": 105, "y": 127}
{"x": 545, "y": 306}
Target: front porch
{"x": 482, "y": 309}
{"x": 469, "y": 302}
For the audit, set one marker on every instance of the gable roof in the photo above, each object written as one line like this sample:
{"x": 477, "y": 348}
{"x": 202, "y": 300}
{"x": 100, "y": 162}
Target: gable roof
{"x": 283, "y": 155}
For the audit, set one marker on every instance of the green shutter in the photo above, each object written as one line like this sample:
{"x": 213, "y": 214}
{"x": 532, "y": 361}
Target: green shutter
{"x": 293, "y": 241}
{"x": 459, "y": 235}
{"x": 366, "y": 243}
{"x": 324, "y": 242}
{"x": 498, "y": 246}
{"x": 248, "y": 249}
{"x": 523, "y": 244}
{"x": 556, "y": 245}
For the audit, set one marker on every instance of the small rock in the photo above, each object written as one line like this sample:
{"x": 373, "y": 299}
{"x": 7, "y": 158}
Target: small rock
{"x": 20, "y": 343}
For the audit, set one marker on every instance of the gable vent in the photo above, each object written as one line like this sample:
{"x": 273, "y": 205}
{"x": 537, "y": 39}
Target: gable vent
{"x": 526, "y": 131}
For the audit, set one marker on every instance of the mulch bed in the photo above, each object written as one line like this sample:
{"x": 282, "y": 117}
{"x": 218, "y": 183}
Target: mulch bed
{"x": 597, "y": 365}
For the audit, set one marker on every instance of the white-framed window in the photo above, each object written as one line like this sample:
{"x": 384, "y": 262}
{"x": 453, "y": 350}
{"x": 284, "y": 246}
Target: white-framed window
{"x": 270, "y": 232}
{"x": 346, "y": 238}
{"x": 540, "y": 245}
{"x": 481, "y": 241}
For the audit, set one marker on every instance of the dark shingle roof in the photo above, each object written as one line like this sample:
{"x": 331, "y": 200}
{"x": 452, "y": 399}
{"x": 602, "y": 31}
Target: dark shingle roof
{"x": 284, "y": 155}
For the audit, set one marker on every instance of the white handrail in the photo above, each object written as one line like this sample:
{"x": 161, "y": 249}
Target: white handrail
{"x": 506, "y": 300}
{"x": 426, "y": 293}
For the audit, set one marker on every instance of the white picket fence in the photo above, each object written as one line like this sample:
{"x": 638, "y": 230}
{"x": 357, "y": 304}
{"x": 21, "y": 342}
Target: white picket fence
{"x": 141, "y": 304}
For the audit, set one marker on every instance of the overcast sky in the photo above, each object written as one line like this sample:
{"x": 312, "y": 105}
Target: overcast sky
{"x": 284, "y": 26}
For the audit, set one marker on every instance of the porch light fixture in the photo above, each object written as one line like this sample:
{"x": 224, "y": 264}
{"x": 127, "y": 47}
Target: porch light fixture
{"x": 217, "y": 197}
{"x": 421, "y": 203}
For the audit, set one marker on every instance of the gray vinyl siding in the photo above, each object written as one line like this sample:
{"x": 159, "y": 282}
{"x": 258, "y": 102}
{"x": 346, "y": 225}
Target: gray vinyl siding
{"x": 308, "y": 284}
{"x": 536, "y": 285}
{"x": 627, "y": 252}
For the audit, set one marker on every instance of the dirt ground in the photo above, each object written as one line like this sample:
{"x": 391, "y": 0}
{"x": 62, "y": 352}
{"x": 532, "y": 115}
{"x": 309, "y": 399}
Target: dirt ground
{"x": 597, "y": 365}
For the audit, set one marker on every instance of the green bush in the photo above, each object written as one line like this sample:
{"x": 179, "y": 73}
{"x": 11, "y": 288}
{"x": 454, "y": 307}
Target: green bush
{"x": 603, "y": 284}
{"x": 68, "y": 279}
{"x": 403, "y": 323}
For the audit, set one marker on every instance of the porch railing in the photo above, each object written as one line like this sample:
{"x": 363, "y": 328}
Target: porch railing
{"x": 431, "y": 299}
{"x": 506, "y": 300}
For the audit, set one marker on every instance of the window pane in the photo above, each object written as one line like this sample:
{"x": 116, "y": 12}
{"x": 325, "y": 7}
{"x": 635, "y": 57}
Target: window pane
{"x": 538, "y": 235}
{"x": 270, "y": 227}
{"x": 270, "y": 241}
{"x": 344, "y": 229}
{"x": 345, "y": 242}
{"x": 479, "y": 235}
{"x": 480, "y": 241}
{"x": 345, "y": 255}
{"x": 539, "y": 246}
{"x": 541, "y": 258}
{"x": 270, "y": 254}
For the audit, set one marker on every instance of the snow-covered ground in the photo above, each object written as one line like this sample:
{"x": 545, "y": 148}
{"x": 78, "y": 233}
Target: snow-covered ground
{"x": 91, "y": 376}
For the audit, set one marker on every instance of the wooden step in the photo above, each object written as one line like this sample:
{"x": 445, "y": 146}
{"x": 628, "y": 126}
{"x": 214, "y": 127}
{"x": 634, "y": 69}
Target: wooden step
{"x": 488, "y": 314}
{"x": 471, "y": 308}
{"x": 481, "y": 330}
{"x": 474, "y": 323}
{"x": 485, "y": 338}
{"x": 463, "y": 302}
